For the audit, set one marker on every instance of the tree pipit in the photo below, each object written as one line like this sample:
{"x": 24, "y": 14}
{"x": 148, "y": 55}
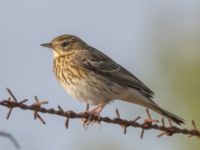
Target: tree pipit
{"x": 94, "y": 78}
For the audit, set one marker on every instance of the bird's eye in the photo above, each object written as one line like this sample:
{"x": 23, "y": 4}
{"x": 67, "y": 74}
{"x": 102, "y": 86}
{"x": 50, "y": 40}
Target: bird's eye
{"x": 63, "y": 44}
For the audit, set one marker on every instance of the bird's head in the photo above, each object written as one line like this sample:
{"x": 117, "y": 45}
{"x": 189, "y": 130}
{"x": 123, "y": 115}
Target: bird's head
{"x": 65, "y": 43}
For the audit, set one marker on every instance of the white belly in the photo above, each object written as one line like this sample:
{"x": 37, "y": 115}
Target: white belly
{"x": 85, "y": 90}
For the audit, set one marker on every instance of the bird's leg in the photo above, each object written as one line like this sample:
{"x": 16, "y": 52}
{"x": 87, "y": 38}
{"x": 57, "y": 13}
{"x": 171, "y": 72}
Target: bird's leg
{"x": 97, "y": 110}
{"x": 86, "y": 121}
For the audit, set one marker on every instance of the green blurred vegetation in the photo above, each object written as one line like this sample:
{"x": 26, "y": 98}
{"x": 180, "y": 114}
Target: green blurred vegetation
{"x": 179, "y": 62}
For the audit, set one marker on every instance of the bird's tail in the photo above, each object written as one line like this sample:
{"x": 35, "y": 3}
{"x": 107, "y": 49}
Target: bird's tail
{"x": 150, "y": 104}
{"x": 167, "y": 114}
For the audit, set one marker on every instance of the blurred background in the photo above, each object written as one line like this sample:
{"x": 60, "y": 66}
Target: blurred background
{"x": 158, "y": 41}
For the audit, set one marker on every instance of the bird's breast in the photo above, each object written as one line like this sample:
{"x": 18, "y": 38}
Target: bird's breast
{"x": 85, "y": 86}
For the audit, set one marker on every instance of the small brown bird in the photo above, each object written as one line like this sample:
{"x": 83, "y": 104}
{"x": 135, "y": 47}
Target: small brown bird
{"x": 94, "y": 78}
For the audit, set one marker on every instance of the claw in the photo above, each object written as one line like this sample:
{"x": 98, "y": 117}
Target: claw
{"x": 94, "y": 112}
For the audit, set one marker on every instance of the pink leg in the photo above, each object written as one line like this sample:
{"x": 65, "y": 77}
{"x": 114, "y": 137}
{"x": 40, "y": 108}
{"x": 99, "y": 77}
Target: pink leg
{"x": 97, "y": 110}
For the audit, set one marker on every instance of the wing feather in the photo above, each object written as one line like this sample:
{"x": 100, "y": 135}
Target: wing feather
{"x": 97, "y": 62}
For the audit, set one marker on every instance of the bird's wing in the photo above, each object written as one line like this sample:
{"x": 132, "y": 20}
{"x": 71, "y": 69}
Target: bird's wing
{"x": 97, "y": 62}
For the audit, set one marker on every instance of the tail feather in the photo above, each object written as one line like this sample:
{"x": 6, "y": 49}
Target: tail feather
{"x": 135, "y": 97}
{"x": 169, "y": 115}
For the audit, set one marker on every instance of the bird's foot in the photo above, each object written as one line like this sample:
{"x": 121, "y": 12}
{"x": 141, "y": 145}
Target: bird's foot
{"x": 94, "y": 112}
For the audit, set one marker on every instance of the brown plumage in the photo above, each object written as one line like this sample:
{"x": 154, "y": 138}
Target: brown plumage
{"x": 92, "y": 77}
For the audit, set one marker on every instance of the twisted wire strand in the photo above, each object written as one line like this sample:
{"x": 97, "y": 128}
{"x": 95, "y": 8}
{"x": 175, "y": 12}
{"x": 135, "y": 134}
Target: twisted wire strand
{"x": 11, "y": 102}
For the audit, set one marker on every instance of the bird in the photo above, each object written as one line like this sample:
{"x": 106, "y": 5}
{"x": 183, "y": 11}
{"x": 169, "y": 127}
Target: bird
{"x": 91, "y": 76}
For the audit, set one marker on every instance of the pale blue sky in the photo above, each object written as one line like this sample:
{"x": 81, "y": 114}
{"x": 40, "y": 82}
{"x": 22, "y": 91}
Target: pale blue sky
{"x": 125, "y": 30}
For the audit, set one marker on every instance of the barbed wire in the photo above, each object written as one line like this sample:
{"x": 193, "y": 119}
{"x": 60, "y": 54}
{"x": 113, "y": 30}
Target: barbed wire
{"x": 148, "y": 124}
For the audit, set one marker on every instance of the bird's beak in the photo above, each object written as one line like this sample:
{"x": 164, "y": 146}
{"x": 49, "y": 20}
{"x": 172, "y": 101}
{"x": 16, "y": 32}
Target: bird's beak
{"x": 49, "y": 45}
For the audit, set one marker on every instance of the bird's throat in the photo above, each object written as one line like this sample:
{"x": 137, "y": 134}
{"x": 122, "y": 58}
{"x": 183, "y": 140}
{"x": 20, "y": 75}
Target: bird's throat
{"x": 55, "y": 54}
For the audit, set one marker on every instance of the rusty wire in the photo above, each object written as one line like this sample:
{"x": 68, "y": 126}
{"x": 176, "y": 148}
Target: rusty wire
{"x": 11, "y": 102}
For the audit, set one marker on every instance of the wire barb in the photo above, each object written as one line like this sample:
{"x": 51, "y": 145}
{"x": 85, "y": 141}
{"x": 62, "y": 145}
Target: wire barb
{"x": 60, "y": 108}
{"x": 11, "y": 94}
{"x": 38, "y": 104}
{"x": 117, "y": 113}
{"x": 163, "y": 132}
{"x": 10, "y": 108}
{"x": 194, "y": 125}
{"x": 148, "y": 121}
{"x": 136, "y": 119}
{"x": 67, "y": 123}
{"x": 195, "y": 129}
{"x": 125, "y": 130}
{"x": 142, "y": 134}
